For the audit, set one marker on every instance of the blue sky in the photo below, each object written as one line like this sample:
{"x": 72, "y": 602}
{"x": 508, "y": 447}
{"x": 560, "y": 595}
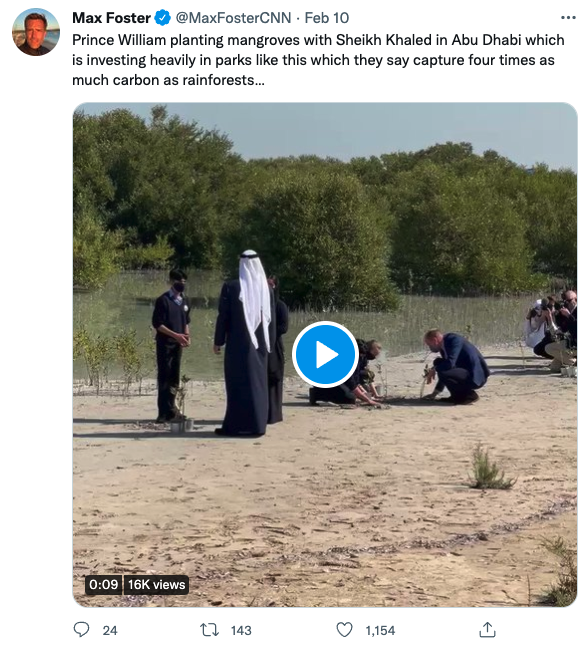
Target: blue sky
{"x": 51, "y": 21}
{"x": 527, "y": 133}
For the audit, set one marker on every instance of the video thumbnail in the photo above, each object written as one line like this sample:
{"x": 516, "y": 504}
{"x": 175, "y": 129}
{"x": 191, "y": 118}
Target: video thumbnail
{"x": 324, "y": 355}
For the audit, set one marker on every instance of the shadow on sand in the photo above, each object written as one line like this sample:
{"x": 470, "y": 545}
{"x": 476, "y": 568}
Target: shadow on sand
{"x": 394, "y": 402}
{"x": 134, "y": 421}
{"x": 414, "y": 402}
{"x": 301, "y": 403}
{"x": 521, "y": 372}
{"x": 514, "y": 358}
{"x": 146, "y": 435}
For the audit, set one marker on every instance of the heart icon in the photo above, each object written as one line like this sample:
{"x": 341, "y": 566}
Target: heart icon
{"x": 344, "y": 628}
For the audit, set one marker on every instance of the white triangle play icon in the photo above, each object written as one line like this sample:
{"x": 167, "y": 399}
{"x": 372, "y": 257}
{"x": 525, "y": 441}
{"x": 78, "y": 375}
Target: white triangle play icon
{"x": 324, "y": 354}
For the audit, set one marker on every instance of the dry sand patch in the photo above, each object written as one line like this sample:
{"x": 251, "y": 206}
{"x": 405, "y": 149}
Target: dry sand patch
{"x": 334, "y": 506}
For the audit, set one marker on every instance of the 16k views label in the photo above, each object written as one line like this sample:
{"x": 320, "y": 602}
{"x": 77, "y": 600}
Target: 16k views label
{"x": 156, "y": 585}
{"x": 137, "y": 585}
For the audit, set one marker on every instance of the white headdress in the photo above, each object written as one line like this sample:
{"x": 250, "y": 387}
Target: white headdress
{"x": 255, "y": 296}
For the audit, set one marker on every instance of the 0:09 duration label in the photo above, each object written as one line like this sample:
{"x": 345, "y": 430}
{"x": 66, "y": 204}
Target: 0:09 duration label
{"x": 156, "y": 585}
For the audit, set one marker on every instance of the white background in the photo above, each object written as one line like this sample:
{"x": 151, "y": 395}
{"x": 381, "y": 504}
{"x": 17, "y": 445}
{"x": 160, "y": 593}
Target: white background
{"x": 36, "y": 258}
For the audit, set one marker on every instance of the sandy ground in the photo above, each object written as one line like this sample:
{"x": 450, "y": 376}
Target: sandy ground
{"x": 333, "y": 507}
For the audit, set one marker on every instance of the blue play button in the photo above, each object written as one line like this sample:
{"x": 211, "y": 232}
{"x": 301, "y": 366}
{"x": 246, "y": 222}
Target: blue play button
{"x": 325, "y": 354}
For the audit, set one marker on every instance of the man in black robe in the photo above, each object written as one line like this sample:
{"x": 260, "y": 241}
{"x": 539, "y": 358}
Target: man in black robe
{"x": 276, "y": 359}
{"x": 242, "y": 325}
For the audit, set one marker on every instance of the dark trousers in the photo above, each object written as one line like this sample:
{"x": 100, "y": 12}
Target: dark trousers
{"x": 341, "y": 394}
{"x": 540, "y": 348}
{"x": 458, "y": 382}
{"x": 169, "y": 356}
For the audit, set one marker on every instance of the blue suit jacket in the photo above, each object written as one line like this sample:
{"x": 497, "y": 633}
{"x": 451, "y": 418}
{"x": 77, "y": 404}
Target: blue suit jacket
{"x": 458, "y": 352}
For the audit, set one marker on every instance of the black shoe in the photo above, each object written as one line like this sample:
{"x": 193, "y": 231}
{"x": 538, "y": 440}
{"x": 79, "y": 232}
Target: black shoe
{"x": 449, "y": 400}
{"x": 312, "y": 397}
{"x": 470, "y": 398}
{"x": 161, "y": 420}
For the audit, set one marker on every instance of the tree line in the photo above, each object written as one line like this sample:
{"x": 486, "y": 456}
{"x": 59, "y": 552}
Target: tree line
{"x": 444, "y": 220}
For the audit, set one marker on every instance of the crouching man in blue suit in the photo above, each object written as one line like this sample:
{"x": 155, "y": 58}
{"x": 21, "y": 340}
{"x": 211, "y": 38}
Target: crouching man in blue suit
{"x": 461, "y": 367}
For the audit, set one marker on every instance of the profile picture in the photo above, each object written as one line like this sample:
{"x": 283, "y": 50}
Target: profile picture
{"x": 35, "y": 32}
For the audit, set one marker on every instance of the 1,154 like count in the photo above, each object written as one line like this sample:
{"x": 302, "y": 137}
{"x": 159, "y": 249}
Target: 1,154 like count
{"x": 381, "y": 630}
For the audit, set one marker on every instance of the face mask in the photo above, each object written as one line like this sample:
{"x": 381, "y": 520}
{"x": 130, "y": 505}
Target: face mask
{"x": 370, "y": 356}
{"x": 179, "y": 287}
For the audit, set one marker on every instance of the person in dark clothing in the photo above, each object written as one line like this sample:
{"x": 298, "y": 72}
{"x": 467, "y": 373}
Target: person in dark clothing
{"x": 276, "y": 359}
{"x": 171, "y": 320}
{"x": 35, "y": 33}
{"x": 541, "y": 317}
{"x": 562, "y": 350}
{"x": 539, "y": 349}
{"x": 461, "y": 367}
{"x": 342, "y": 394}
{"x": 242, "y": 326}
{"x": 566, "y": 317}
{"x": 347, "y": 393}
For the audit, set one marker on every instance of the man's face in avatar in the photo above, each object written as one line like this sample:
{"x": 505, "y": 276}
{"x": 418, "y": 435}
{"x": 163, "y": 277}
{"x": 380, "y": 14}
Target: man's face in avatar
{"x": 36, "y": 32}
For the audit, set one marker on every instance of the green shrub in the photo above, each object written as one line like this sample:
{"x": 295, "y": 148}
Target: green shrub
{"x": 97, "y": 353}
{"x": 96, "y": 252}
{"x": 564, "y": 592}
{"x": 325, "y": 239}
{"x": 443, "y": 219}
{"x": 458, "y": 235}
{"x": 148, "y": 257}
{"x": 129, "y": 355}
{"x": 487, "y": 475}
{"x": 547, "y": 201}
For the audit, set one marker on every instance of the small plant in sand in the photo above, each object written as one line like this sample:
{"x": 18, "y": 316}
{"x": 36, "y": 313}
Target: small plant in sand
{"x": 148, "y": 364}
{"x": 487, "y": 475}
{"x": 522, "y": 349}
{"x": 96, "y": 352}
{"x": 382, "y": 377}
{"x": 562, "y": 593}
{"x": 424, "y": 382}
{"x": 181, "y": 393}
{"x": 128, "y": 353}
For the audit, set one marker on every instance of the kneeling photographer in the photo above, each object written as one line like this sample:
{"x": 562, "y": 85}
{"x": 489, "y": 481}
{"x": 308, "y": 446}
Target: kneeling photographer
{"x": 537, "y": 325}
{"x": 540, "y": 326}
{"x": 563, "y": 348}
